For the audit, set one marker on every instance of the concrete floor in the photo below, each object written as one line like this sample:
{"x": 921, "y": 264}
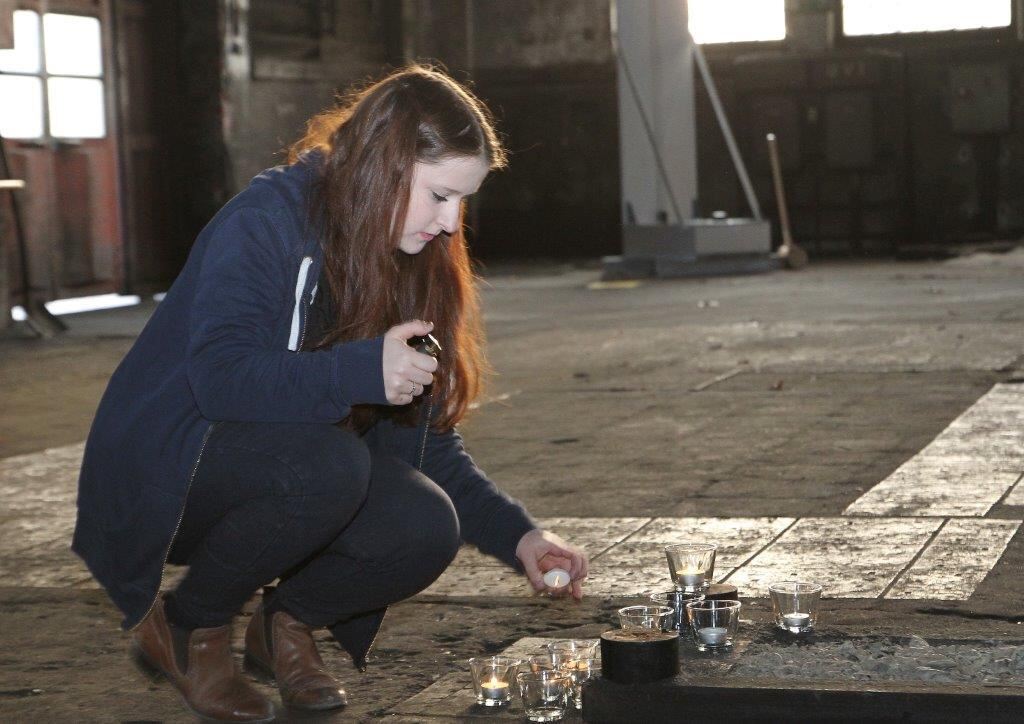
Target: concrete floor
{"x": 760, "y": 411}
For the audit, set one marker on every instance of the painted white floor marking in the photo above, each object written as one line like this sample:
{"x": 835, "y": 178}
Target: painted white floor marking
{"x": 1016, "y": 496}
{"x": 964, "y": 471}
{"x": 957, "y": 560}
{"x": 850, "y": 557}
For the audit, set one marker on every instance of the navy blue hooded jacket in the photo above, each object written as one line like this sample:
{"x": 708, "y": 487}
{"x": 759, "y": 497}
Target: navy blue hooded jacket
{"x": 226, "y": 344}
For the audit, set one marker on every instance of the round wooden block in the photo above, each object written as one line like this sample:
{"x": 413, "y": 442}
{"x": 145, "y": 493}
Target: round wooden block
{"x": 637, "y": 657}
{"x": 721, "y": 592}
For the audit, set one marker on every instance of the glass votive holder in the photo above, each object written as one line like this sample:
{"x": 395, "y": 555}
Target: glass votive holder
{"x": 713, "y": 623}
{"x": 648, "y": 618}
{"x": 580, "y": 671}
{"x": 795, "y": 605}
{"x": 540, "y": 662}
{"x": 676, "y": 600}
{"x": 573, "y": 650}
{"x": 493, "y": 677}
{"x": 691, "y": 565}
{"x": 544, "y": 694}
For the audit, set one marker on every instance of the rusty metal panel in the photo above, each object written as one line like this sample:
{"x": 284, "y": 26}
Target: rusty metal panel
{"x": 980, "y": 98}
{"x": 778, "y": 114}
{"x": 849, "y": 130}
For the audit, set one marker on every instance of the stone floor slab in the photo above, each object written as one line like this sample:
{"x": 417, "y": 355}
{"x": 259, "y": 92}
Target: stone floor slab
{"x": 956, "y": 561}
{"x": 850, "y": 557}
{"x": 482, "y": 581}
{"x": 964, "y": 471}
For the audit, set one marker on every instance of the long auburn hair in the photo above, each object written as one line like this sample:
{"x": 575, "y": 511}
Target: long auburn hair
{"x": 370, "y": 142}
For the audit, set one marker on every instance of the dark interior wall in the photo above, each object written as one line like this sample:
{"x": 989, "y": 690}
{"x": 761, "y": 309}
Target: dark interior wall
{"x": 546, "y": 71}
{"x": 886, "y": 142}
{"x": 889, "y": 143}
{"x": 284, "y": 62}
{"x": 171, "y": 143}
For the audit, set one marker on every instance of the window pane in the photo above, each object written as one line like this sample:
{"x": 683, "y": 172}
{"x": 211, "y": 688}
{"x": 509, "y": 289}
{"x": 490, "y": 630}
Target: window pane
{"x": 731, "y": 21}
{"x": 76, "y": 108}
{"x": 21, "y": 113}
{"x": 878, "y": 17}
{"x": 25, "y": 56}
{"x": 72, "y": 44}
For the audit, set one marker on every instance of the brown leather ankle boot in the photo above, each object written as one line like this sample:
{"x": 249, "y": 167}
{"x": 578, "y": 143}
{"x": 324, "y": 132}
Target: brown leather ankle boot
{"x": 284, "y": 649}
{"x": 201, "y": 668}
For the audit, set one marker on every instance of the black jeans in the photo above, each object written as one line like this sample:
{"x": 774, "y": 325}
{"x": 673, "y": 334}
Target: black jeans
{"x": 348, "y": 528}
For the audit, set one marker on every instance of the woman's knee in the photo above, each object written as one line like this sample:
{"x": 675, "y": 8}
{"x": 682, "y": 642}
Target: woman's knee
{"x": 431, "y": 532}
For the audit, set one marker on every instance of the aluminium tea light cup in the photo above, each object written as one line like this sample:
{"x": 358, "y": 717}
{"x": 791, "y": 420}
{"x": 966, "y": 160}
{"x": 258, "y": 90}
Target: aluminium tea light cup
{"x": 556, "y": 578}
{"x": 795, "y": 605}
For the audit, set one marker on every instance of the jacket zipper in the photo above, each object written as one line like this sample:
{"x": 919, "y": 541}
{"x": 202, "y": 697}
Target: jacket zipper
{"x": 303, "y": 271}
{"x": 294, "y": 343}
{"x": 177, "y": 526}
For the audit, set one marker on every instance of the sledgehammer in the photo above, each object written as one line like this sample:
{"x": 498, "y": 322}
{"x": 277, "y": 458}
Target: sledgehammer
{"x": 791, "y": 255}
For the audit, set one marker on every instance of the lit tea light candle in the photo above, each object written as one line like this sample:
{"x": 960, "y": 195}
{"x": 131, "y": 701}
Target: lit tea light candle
{"x": 713, "y": 635}
{"x": 556, "y": 578}
{"x": 796, "y": 620}
{"x": 496, "y": 690}
{"x": 690, "y": 578}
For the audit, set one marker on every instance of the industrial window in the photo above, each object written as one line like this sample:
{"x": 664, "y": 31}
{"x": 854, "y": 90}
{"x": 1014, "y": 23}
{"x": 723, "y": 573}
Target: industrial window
{"x": 737, "y": 21}
{"x": 881, "y": 17}
{"x": 51, "y": 83}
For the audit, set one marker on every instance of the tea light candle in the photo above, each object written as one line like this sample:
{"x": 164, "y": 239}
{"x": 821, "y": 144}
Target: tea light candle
{"x": 796, "y": 620}
{"x": 556, "y": 578}
{"x": 495, "y": 690}
{"x": 690, "y": 578}
{"x": 713, "y": 635}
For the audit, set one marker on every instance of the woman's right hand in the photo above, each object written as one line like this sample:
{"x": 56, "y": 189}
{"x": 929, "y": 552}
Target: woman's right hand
{"x": 406, "y": 371}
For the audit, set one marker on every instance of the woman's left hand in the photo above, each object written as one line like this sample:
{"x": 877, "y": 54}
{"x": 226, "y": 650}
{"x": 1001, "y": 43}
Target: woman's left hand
{"x": 540, "y": 551}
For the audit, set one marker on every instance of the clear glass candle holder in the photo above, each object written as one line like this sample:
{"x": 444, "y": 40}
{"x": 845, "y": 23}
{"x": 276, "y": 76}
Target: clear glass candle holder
{"x": 691, "y": 565}
{"x": 795, "y": 605}
{"x": 648, "y": 618}
{"x": 676, "y": 600}
{"x": 573, "y": 650}
{"x": 580, "y": 671}
{"x": 493, "y": 679}
{"x": 713, "y": 623}
{"x": 545, "y": 694}
{"x": 540, "y": 662}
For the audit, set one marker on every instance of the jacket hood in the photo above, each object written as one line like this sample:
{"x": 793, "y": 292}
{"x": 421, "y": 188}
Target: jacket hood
{"x": 291, "y": 181}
